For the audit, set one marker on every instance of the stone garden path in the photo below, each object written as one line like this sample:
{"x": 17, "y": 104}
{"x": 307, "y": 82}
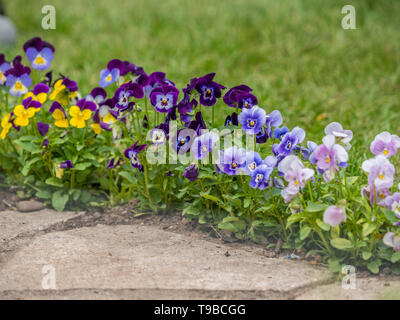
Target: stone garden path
{"x": 89, "y": 256}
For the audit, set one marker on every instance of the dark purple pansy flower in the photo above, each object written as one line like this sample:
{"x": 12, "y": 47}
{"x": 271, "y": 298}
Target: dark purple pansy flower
{"x": 40, "y": 88}
{"x": 97, "y": 95}
{"x": 232, "y": 120}
{"x": 66, "y": 165}
{"x": 240, "y": 96}
{"x": 123, "y": 94}
{"x": 197, "y": 124}
{"x": 18, "y": 78}
{"x": 183, "y": 140}
{"x": 85, "y": 104}
{"x": 128, "y": 67}
{"x": 71, "y": 85}
{"x": 30, "y": 103}
{"x": 4, "y": 66}
{"x": 43, "y": 128}
{"x": 209, "y": 90}
{"x": 164, "y": 98}
{"x": 45, "y": 143}
{"x": 113, "y": 163}
{"x": 261, "y": 176}
{"x": 115, "y": 68}
{"x": 39, "y": 53}
{"x": 132, "y": 152}
{"x": 156, "y": 79}
{"x": 191, "y": 172}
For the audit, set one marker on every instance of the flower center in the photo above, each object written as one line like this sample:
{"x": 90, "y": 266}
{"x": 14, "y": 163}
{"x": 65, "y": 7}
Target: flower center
{"x": 39, "y": 59}
{"x": 234, "y": 165}
{"x": 381, "y": 176}
{"x": 288, "y": 145}
{"x": 204, "y": 149}
{"x": 164, "y": 102}
{"x": 382, "y": 196}
{"x": 18, "y": 85}
{"x": 246, "y": 104}
{"x": 297, "y": 182}
{"x": 252, "y": 166}
{"x": 385, "y": 152}
{"x": 252, "y": 123}
{"x": 208, "y": 93}
{"x": 259, "y": 177}
{"x": 108, "y": 79}
{"x": 327, "y": 159}
{"x": 182, "y": 142}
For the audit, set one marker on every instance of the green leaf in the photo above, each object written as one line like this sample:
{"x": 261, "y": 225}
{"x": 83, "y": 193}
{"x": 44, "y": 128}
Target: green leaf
{"x": 366, "y": 255}
{"x": 368, "y": 228}
{"x": 304, "y": 232}
{"x": 341, "y": 243}
{"x": 323, "y": 225}
{"x": 53, "y": 181}
{"x": 395, "y": 257}
{"x": 316, "y": 207}
{"x": 209, "y": 197}
{"x": 59, "y": 200}
{"x": 27, "y": 146}
{"x": 82, "y": 166}
{"x": 335, "y": 265}
{"x": 374, "y": 265}
{"x": 128, "y": 176}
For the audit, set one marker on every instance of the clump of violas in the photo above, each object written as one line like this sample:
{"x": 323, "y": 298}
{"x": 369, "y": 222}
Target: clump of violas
{"x": 242, "y": 171}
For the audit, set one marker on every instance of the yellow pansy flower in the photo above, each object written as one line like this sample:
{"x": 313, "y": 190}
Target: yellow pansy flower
{"x": 5, "y": 126}
{"x": 61, "y": 93}
{"x": 96, "y": 128}
{"x": 41, "y": 97}
{"x": 78, "y": 116}
{"x": 23, "y": 115}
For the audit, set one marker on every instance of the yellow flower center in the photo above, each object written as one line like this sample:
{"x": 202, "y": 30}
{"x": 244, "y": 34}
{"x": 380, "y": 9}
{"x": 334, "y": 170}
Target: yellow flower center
{"x": 385, "y": 152}
{"x": 39, "y": 60}
{"x": 204, "y": 149}
{"x": 109, "y": 77}
{"x": 234, "y": 165}
{"x": 297, "y": 182}
{"x": 252, "y": 123}
{"x": 381, "y": 176}
{"x": 382, "y": 196}
{"x": 259, "y": 177}
{"x": 327, "y": 159}
{"x": 18, "y": 85}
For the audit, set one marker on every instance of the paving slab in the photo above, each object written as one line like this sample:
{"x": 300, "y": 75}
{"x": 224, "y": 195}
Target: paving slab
{"x": 14, "y": 223}
{"x": 364, "y": 289}
{"x": 140, "y": 258}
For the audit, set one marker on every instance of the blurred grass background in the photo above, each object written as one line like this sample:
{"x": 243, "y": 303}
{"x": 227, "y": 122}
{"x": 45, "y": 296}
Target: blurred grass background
{"x": 294, "y": 54}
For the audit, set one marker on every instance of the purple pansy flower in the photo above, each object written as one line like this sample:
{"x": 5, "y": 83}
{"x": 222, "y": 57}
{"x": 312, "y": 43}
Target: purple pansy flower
{"x": 260, "y": 176}
{"x": 288, "y": 142}
{"x": 204, "y": 144}
{"x": 97, "y": 95}
{"x": 115, "y": 68}
{"x": 392, "y": 240}
{"x": 191, "y": 172}
{"x": 156, "y": 79}
{"x": 159, "y": 134}
{"x": 240, "y": 96}
{"x": 66, "y": 165}
{"x": 197, "y": 124}
{"x": 182, "y": 141}
{"x": 43, "y": 128}
{"x": 385, "y": 144}
{"x": 380, "y": 174}
{"x": 329, "y": 156}
{"x": 232, "y": 159}
{"x": 4, "y": 66}
{"x": 85, "y": 104}
{"x": 39, "y": 53}
{"x": 296, "y": 174}
{"x": 334, "y": 216}
{"x": 253, "y": 160}
{"x": 252, "y": 119}
{"x": 232, "y": 120}
{"x": 164, "y": 98}
{"x": 280, "y": 132}
{"x": 132, "y": 153}
{"x": 18, "y": 78}
{"x": 113, "y": 163}
{"x": 209, "y": 90}
{"x": 342, "y": 136}
{"x": 123, "y": 94}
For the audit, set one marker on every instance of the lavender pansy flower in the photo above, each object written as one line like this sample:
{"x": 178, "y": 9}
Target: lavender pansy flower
{"x": 132, "y": 154}
{"x": 288, "y": 142}
{"x": 252, "y": 119}
{"x": 328, "y": 156}
{"x": 164, "y": 98}
{"x": 280, "y": 132}
{"x": 261, "y": 176}
{"x": 385, "y": 144}
{"x": 232, "y": 159}
{"x": 112, "y": 73}
{"x": 182, "y": 141}
{"x": 334, "y": 216}
{"x": 341, "y": 136}
{"x": 253, "y": 160}
{"x": 97, "y": 95}
{"x": 296, "y": 174}
{"x": 191, "y": 172}
{"x": 204, "y": 144}
{"x": 392, "y": 240}
{"x": 124, "y": 93}
{"x": 39, "y": 53}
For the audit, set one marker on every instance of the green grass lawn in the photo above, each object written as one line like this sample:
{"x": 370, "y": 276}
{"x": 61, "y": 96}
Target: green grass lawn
{"x": 294, "y": 53}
